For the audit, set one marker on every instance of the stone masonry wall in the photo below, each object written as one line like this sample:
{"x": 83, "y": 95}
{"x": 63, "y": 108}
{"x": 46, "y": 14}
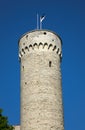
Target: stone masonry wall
{"x": 41, "y": 92}
{"x": 17, "y": 127}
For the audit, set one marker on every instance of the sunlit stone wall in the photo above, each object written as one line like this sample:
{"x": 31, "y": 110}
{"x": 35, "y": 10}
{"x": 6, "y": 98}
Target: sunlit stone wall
{"x": 41, "y": 91}
{"x": 17, "y": 127}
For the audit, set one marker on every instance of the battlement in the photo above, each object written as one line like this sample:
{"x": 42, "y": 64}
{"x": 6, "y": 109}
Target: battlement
{"x": 39, "y": 40}
{"x": 39, "y": 47}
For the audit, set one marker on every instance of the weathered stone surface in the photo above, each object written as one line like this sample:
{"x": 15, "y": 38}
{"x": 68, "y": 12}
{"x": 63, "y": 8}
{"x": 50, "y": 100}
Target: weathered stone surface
{"x": 41, "y": 92}
{"x": 17, "y": 127}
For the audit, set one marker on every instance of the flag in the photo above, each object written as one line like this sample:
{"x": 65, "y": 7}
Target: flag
{"x": 42, "y": 18}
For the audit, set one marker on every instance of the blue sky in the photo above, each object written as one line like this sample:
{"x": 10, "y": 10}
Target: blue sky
{"x": 67, "y": 19}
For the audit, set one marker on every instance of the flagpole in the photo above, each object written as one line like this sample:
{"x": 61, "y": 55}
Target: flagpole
{"x": 40, "y": 23}
{"x": 37, "y": 22}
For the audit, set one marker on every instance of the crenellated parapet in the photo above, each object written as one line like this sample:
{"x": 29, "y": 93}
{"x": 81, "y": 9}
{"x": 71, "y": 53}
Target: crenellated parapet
{"x": 39, "y": 47}
{"x": 37, "y": 41}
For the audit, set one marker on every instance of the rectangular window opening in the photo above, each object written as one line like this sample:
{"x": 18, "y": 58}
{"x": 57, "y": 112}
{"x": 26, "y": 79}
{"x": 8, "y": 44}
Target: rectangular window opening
{"x": 50, "y": 63}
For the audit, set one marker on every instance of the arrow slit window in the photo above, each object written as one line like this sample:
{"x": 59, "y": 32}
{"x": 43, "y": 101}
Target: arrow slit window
{"x": 50, "y": 63}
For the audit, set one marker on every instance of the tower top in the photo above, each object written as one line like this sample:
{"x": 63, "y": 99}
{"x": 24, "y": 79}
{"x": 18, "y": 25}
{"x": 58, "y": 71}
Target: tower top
{"x": 34, "y": 40}
{"x": 38, "y": 31}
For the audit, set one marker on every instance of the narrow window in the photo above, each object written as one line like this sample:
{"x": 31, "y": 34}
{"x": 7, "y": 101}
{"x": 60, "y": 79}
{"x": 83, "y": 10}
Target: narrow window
{"x": 25, "y": 83}
{"x": 23, "y": 51}
{"x": 57, "y": 50}
{"x": 23, "y": 67}
{"x": 50, "y": 63}
{"x": 54, "y": 48}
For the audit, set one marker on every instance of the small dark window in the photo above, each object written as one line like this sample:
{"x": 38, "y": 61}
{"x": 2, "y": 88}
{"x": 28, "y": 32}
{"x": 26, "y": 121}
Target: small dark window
{"x": 52, "y": 39}
{"x": 57, "y": 50}
{"x": 35, "y": 44}
{"x": 26, "y": 36}
{"x": 23, "y": 43}
{"x": 25, "y": 82}
{"x": 30, "y": 45}
{"x": 23, "y": 51}
{"x": 50, "y": 63}
{"x": 26, "y": 47}
{"x": 54, "y": 48}
{"x": 23, "y": 67}
{"x": 44, "y": 33}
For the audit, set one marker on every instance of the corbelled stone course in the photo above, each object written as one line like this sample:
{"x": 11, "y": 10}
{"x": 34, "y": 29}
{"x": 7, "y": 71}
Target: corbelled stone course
{"x": 41, "y": 91}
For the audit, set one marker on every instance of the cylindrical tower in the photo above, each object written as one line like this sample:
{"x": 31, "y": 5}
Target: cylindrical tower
{"x": 41, "y": 91}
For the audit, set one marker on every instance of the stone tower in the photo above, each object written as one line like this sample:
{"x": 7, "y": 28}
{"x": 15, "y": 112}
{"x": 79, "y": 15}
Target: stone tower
{"x": 41, "y": 91}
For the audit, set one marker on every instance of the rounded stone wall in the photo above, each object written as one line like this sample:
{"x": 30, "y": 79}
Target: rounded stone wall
{"x": 41, "y": 92}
